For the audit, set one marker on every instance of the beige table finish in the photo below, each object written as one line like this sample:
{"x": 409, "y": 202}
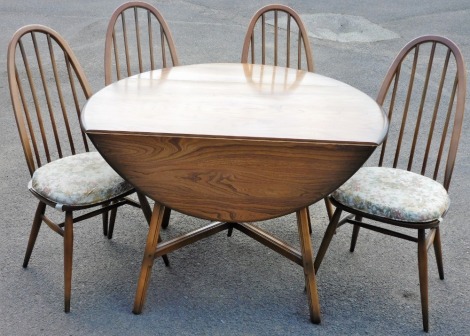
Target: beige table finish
{"x": 234, "y": 143}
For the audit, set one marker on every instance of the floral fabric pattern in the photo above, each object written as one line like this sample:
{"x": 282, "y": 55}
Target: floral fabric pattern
{"x": 395, "y": 194}
{"x": 82, "y": 179}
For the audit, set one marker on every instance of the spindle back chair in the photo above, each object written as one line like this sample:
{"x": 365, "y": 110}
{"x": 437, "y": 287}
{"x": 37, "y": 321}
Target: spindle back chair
{"x": 138, "y": 39}
{"x": 283, "y": 39}
{"x": 48, "y": 100}
{"x": 423, "y": 94}
{"x": 48, "y": 89}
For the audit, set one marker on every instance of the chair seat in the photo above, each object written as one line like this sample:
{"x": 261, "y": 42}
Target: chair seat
{"x": 78, "y": 180}
{"x": 394, "y": 194}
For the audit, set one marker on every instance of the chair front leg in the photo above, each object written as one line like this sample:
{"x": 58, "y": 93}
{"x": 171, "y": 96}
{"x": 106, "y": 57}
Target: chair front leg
{"x": 34, "y": 232}
{"x": 438, "y": 253}
{"x": 330, "y": 231}
{"x": 68, "y": 257}
{"x": 423, "y": 276}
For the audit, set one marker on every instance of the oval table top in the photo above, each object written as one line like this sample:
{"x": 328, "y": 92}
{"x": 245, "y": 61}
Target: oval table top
{"x": 237, "y": 100}
{"x": 234, "y": 142}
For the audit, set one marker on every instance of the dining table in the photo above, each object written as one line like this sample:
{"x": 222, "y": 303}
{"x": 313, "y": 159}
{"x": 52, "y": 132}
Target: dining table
{"x": 235, "y": 144}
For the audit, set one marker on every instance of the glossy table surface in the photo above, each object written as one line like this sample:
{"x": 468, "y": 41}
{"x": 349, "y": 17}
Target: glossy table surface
{"x": 237, "y": 100}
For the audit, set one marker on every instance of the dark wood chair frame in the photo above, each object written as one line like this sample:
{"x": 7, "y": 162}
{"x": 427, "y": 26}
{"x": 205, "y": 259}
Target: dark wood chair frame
{"x": 432, "y": 238}
{"x": 33, "y": 150}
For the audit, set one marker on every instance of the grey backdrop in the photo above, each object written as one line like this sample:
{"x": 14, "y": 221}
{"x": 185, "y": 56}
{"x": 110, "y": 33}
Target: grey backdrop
{"x": 226, "y": 286}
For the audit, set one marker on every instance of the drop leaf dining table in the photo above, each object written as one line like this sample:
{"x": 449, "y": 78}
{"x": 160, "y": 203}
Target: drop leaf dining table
{"x": 233, "y": 144}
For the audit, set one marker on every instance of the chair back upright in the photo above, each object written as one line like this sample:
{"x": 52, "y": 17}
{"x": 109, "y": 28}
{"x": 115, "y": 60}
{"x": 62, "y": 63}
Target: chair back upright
{"x": 138, "y": 39}
{"x": 423, "y": 94}
{"x": 48, "y": 88}
{"x": 283, "y": 39}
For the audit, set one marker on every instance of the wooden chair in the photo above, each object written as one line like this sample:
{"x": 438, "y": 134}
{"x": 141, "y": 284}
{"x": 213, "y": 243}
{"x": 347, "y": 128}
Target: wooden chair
{"x": 48, "y": 88}
{"x": 138, "y": 39}
{"x": 424, "y": 95}
{"x": 270, "y": 25}
{"x": 288, "y": 45}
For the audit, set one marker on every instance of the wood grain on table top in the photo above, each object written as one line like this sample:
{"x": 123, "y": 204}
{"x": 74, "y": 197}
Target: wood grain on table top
{"x": 237, "y": 100}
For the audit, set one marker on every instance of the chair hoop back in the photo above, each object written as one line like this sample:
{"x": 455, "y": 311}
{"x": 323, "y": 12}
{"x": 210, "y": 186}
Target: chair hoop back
{"x": 303, "y": 44}
{"x": 43, "y": 84}
{"x": 122, "y": 34}
{"x": 424, "y": 96}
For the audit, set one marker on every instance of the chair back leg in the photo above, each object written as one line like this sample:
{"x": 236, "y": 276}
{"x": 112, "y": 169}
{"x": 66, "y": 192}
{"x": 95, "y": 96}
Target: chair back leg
{"x": 355, "y": 234}
{"x": 105, "y": 217}
{"x": 112, "y": 220}
{"x": 166, "y": 218}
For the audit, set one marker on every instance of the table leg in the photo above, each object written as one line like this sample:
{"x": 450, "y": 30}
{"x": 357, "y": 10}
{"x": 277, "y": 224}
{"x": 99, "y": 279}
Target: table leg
{"x": 307, "y": 259}
{"x": 149, "y": 256}
{"x": 145, "y": 206}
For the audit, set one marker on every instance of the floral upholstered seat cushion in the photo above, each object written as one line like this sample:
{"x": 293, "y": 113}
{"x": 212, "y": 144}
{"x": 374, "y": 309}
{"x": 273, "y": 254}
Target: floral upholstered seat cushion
{"x": 82, "y": 179}
{"x": 395, "y": 194}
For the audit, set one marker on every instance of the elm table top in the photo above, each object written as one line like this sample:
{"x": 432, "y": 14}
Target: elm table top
{"x": 237, "y": 100}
